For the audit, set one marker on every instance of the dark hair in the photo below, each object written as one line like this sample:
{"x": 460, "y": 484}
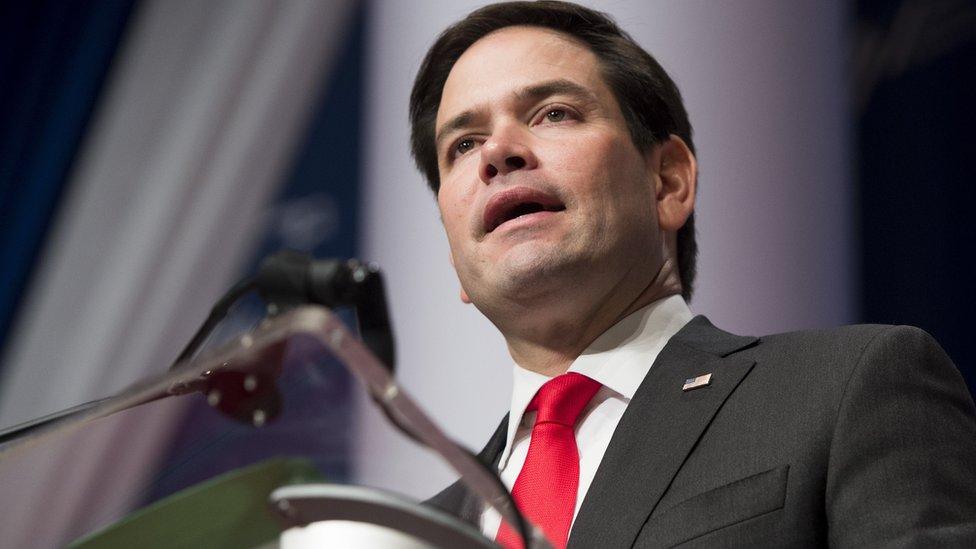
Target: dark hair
{"x": 648, "y": 98}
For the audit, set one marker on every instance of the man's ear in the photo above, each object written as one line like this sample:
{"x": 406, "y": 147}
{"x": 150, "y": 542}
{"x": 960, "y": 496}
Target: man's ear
{"x": 678, "y": 173}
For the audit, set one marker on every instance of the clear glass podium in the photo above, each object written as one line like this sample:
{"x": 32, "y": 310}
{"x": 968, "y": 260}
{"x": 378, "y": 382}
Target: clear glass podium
{"x": 251, "y": 455}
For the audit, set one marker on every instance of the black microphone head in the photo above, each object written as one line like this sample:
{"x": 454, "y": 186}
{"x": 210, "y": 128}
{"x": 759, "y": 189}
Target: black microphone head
{"x": 329, "y": 283}
{"x": 290, "y": 278}
{"x": 282, "y": 278}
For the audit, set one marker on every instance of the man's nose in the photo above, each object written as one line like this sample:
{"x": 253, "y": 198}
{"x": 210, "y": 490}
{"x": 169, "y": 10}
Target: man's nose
{"x": 504, "y": 153}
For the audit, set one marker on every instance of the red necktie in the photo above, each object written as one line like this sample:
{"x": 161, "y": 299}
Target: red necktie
{"x": 545, "y": 489}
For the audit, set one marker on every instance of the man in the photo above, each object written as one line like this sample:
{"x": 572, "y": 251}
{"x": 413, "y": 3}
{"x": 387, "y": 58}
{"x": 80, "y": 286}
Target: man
{"x": 564, "y": 169}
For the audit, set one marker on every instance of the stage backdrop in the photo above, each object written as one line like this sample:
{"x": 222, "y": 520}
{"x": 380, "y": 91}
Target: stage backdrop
{"x": 151, "y": 151}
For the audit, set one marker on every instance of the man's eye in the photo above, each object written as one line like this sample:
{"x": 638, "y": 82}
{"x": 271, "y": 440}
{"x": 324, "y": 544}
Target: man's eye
{"x": 556, "y": 115}
{"x": 464, "y": 146}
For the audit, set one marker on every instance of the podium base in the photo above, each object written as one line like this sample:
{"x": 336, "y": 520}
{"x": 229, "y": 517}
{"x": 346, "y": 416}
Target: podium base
{"x": 408, "y": 524}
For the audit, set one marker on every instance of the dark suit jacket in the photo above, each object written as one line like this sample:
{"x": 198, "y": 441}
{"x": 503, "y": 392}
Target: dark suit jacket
{"x": 857, "y": 436}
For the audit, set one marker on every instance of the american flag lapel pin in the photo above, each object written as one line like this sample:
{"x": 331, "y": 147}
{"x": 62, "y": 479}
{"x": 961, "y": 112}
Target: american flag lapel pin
{"x": 696, "y": 382}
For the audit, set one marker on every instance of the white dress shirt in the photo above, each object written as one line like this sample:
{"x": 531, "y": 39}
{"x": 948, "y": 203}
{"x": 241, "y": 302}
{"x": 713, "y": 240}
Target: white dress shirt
{"x": 619, "y": 359}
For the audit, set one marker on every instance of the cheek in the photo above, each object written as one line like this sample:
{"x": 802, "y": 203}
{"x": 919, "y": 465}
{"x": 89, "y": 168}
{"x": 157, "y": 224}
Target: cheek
{"x": 454, "y": 214}
{"x": 607, "y": 175}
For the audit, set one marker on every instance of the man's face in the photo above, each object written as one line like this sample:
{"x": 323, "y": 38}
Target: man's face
{"x": 542, "y": 188}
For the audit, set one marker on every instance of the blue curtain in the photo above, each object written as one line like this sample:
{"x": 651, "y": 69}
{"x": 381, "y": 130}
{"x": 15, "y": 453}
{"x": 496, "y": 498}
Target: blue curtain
{"x": 54, "y": 58}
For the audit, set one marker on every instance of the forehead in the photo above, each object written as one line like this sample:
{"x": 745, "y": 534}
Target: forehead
{"x": 513, "y": 58}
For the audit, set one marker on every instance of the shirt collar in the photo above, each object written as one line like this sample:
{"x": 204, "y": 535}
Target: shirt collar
{"x": 619, "y": 359}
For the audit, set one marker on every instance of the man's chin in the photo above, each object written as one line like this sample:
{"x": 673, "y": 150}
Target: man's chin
{"x": 527, "y": 275}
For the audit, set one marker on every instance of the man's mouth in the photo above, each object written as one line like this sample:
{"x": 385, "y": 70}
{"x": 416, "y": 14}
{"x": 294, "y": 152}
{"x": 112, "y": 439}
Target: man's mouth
{"x": 517, "y": 202}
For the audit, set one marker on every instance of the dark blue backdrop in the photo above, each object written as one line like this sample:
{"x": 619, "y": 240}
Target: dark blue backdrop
{"x": 916, "y": 171}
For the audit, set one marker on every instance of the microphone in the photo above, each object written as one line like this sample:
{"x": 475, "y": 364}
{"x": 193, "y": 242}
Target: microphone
{"x": 251, "y": 395}
{"x": 284, "y": 280}
{"x": 290, "y": 278}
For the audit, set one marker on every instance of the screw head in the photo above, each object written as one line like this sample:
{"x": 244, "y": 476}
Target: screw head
{"x": 250, "y": 383}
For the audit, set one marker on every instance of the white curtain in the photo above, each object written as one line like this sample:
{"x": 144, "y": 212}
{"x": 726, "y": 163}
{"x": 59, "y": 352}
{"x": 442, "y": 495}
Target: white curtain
{"x": 196, "y": 130}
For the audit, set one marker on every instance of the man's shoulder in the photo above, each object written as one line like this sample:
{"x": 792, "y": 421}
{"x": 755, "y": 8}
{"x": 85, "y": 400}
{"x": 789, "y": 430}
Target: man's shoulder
{"x": 835, "y": 335}
{"x": 855, "y": 341}
{"x": 834, "y": 357}
{"x": 837, "y": 341}
{"x": 838, "y": 364}
{"x": 850, "y": 344}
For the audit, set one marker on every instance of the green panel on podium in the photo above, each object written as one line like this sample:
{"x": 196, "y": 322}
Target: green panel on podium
{"x": 230, "y": 510}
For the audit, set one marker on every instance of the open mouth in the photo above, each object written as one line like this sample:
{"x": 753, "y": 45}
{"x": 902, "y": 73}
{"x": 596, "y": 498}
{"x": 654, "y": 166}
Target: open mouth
{"x": 518, "y": 202}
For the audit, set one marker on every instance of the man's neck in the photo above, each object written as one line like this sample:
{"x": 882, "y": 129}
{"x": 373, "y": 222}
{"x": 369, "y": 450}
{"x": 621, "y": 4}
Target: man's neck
{"x": 556, "y": 336}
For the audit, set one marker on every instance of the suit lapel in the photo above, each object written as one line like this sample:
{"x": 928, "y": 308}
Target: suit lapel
{"x": 657, "y": 432}
{"x": 492, "y": 451}
{"x": 471, "y": 505}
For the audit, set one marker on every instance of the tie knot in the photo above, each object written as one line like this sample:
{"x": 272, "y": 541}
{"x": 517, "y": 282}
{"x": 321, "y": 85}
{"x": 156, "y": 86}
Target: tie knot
{"x": 562, "y": 399}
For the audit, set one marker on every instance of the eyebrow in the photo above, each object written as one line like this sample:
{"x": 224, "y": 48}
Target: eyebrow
{"x": 534, "y": 92}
